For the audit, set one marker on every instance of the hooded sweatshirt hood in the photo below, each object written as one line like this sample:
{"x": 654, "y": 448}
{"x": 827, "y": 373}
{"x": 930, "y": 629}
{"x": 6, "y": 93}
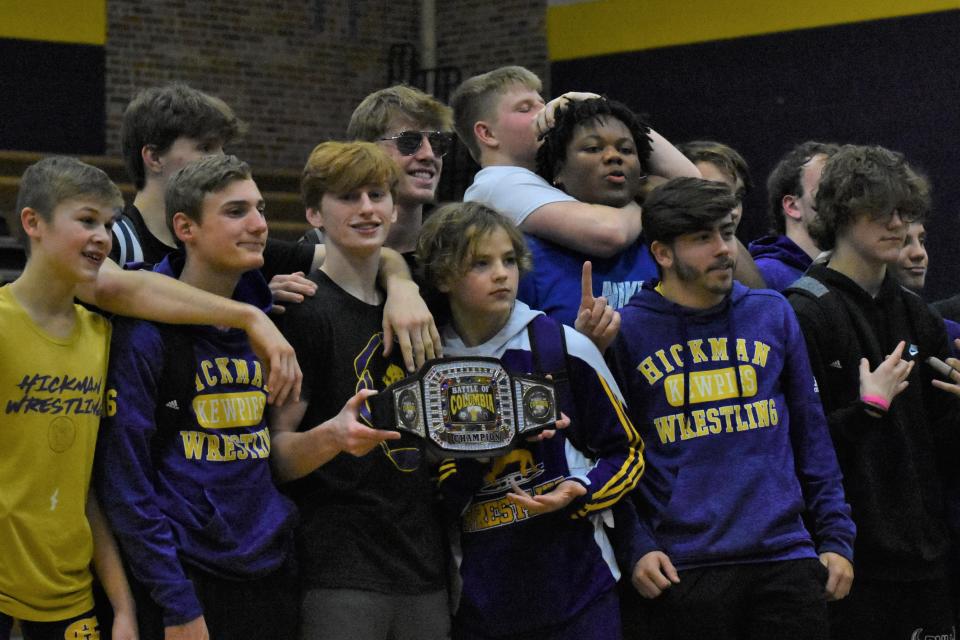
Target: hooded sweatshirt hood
{"x": 654, "y": 302}
{"x": 520, "y": 317}
{"x": 780, "y": 260}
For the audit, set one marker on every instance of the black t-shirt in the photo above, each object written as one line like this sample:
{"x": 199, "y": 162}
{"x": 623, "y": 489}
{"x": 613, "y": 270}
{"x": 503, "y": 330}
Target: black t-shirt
{"x": 367, "y": 522}
{"x": 279, "y": 256}
{"x": 283, "y": 256}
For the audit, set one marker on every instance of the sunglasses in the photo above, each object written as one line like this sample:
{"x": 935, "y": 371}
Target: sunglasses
{"x": 408, "y": 142}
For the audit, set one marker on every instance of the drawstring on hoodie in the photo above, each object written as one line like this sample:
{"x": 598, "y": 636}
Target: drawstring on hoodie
{"x": 732, "y": 331}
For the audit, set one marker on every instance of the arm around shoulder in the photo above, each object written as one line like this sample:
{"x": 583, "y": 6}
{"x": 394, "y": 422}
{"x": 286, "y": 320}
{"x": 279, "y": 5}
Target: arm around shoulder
{"x": 156, "y": 297}
{"x": 405, "y": 314}
{"x": 594, "y": 229}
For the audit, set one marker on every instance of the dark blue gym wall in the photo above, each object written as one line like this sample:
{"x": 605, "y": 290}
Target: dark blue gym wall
{"x": 893, "y": 82}
{"x": 52, "y": 75}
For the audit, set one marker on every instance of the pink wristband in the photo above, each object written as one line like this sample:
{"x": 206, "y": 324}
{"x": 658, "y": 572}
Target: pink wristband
{"x": 876, "y": 401}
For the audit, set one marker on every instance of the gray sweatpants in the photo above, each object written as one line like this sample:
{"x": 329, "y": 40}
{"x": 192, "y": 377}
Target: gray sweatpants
{"x": 349, "y": 614}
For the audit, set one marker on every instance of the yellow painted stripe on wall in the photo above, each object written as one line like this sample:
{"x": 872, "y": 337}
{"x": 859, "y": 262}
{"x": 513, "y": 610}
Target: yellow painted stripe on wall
{"x": 73, "y": 21}
{"x": 584, "y": 28}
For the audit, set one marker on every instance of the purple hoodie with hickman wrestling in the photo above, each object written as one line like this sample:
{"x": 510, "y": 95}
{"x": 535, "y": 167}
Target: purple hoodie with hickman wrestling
{"x": 188, "y": 480}
{"x": 737, "y": 446}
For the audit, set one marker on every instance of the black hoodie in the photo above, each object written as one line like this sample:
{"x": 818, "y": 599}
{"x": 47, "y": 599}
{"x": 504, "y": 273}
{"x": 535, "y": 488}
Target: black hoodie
{"x": 894, "y": 466}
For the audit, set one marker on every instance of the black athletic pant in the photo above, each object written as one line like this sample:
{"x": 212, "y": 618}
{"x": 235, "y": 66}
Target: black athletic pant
{"x": 82, "y": 627}
{"x": 267, "y": 607}
{"x": 886, "y": 610}
{"x": 783, "y": 600}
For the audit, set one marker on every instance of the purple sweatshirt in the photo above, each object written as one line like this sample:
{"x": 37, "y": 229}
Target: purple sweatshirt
{"x": 780, "y": 260}
{"x": 737, "y": 445}
{"x": 189, "y": 481}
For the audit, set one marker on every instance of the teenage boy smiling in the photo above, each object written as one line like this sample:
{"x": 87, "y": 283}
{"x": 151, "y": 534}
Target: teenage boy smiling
{"x": 51, "y": 526}
{"x": 185, "y": 463}
{"x": 370, "y": 543}
{"x": 165, "y": 128}
{"x": 414, "y": 129}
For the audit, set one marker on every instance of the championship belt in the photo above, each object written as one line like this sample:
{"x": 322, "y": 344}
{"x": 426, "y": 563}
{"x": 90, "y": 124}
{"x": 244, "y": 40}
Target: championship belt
{"x": 467, "y": 407}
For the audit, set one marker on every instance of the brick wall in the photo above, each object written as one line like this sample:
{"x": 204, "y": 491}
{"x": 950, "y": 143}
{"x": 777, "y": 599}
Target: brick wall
{"x": 296, "y": 69}
{"x": 480, "y": 35}
{"x": 293, "y": 70}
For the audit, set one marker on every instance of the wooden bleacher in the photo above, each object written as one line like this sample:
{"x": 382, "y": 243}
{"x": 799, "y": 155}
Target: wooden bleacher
{"x": 280, "y": 189}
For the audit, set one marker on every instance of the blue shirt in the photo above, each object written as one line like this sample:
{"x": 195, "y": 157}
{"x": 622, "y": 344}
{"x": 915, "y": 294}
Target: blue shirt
{"x": 554, "y": 284}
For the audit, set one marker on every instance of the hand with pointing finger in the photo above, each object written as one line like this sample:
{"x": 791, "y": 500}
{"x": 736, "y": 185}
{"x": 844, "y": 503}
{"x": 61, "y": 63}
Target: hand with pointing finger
{"x": 595, "y": 319}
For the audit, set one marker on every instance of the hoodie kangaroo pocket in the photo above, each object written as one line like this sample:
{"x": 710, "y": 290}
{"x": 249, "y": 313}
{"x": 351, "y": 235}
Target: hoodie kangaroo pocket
{"x": 732, "y": 509}
{"x": 245, "y": 519}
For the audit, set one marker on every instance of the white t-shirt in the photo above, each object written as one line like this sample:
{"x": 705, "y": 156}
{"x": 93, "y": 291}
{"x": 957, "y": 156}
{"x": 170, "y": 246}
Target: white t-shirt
{"x": 513, "y": 191}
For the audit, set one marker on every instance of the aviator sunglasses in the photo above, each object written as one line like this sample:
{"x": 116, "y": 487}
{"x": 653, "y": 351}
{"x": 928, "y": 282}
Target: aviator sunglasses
{"x": 408, "y": 142}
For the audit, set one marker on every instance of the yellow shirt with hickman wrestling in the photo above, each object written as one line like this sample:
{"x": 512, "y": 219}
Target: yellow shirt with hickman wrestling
{"x": 52, "y": 393}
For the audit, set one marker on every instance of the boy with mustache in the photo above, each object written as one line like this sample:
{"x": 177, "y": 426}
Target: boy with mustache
{"x": 717, "y": 380}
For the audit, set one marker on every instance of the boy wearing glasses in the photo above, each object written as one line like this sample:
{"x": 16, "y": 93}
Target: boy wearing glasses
{"x": 894, "y": 432}
{"x": 414, "y": 129}
{"x": 370, "y": 544}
